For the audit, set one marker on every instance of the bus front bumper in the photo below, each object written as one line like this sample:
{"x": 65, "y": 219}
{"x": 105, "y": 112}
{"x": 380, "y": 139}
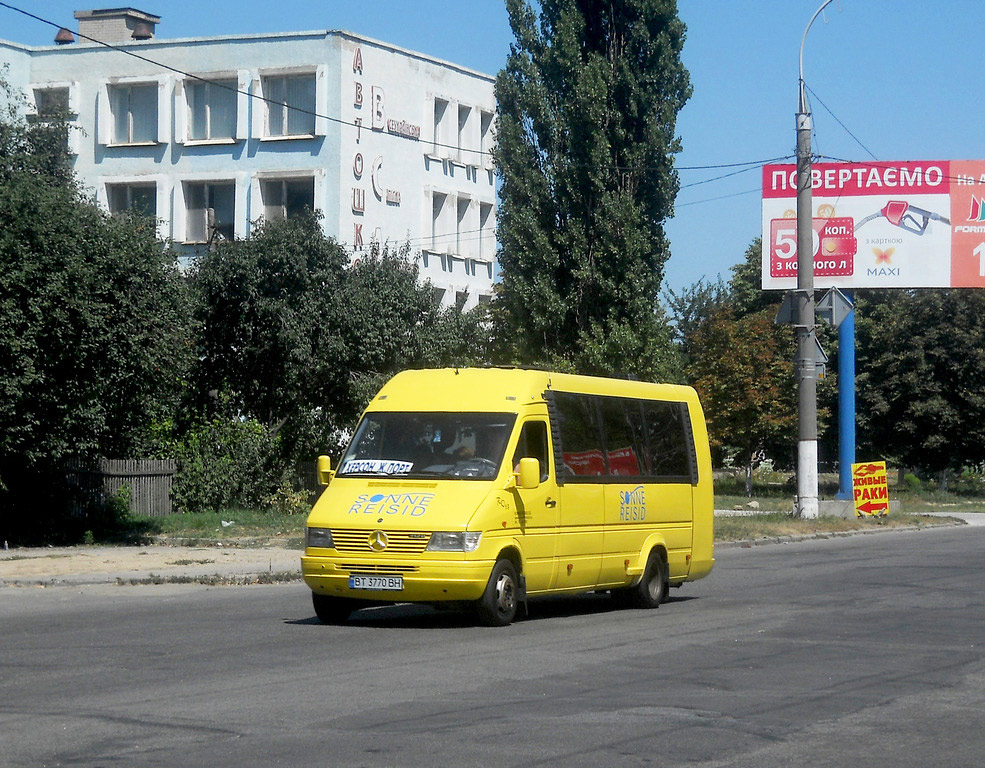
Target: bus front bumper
{"x": 424, "y": 581}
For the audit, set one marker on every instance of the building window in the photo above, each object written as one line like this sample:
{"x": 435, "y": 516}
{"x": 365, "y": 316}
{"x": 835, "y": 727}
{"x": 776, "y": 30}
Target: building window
{"x": 487, "y": 232}
{"x": 51, "y": 102}
{"x": 134, "y": 109}
{"x": 287, "y": 198}
{"x": 463, "y": 235}
{"x": 139, "y": 198}
{"x": 464, "y": 132}
{"x": 290, "y": 105}
{"x": 486, "y": 138}
{"x": 441, "y": 138}
{"x": 212, "y": 110}
{"x": 51, "y": 105}
{"x": 442, "y": 223}
{"x": 211, "y": 211}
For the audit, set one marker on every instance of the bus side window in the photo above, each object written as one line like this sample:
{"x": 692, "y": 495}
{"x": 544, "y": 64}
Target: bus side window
{"x": 533, "y": 445}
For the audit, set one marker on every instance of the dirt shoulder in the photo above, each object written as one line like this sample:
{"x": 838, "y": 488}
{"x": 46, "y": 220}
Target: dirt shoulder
{"x": 157, "y": 563}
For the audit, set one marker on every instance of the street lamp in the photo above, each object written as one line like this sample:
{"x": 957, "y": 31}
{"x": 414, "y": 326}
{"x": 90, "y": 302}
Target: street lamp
{"x": 806, "y": 362}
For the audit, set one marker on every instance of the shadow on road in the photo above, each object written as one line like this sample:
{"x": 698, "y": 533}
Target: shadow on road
{"x": 416, "y": 616}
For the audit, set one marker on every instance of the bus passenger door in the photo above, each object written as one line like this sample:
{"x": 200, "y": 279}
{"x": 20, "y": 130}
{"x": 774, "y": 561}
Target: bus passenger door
{"x": 537, "y": 508}
{"x": 579, "y": 540}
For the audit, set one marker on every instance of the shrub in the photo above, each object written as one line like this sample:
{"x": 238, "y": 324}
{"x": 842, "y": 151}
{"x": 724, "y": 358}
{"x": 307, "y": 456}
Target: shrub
{"x": 225, "y": 463}
{"x": 912, "y": 482}
{"x": 288, "y": 501}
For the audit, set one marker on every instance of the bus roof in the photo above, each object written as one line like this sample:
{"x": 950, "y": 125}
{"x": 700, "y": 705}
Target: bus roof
{"x": 504, "y": 389}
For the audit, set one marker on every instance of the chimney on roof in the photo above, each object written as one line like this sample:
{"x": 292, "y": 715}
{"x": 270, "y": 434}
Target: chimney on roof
{"x": 143, "y": 31}
{"x": 64, "y": 37}
{"x": 116, "y": 25}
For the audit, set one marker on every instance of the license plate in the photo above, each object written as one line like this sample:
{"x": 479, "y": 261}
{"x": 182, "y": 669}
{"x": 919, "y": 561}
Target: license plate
{"x": 377, "y": 583}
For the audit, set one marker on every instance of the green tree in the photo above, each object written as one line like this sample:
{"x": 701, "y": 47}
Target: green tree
{"x": 393, "y": 321}
{"x": 693, "y": 305}
{"x": 300, "y": 341}
{"x": 94, "y": 332}
{"x": 746, "y": 294}
{"x": 742, "y": 367}
{"x": 921, "y": 382}
{"x": 36, "y": 149}
{"x": 270, "y": 322}
{"x": 588, "y": 104}
{"x": 743, "y": 294}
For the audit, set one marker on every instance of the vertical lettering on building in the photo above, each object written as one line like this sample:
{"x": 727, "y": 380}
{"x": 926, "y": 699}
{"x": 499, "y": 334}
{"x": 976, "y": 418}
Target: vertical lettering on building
{"x": 358, "y": 200}
{"x": 357, "y": 61}
{"x": 379, "y": 110}
{"x": 357, "y": 237}
{"x": 376, "y": 176}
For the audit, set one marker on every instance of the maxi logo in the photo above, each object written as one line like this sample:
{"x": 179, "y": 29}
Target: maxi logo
{"x": 632, "y": 504}
{"x": 395, "y": 504}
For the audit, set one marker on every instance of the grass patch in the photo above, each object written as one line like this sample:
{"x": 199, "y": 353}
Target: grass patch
{"x": 215, "y": 580}
{"x": 213, "y": 527}
{"x": 186, "y": 561}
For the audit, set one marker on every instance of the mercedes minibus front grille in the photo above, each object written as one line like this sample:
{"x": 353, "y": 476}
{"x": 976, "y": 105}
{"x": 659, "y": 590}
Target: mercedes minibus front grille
{"x": 378, "y": 569}
{"x": 364, "y": 542}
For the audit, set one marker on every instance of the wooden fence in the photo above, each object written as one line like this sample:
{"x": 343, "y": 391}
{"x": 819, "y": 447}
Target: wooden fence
{"x": 149, "y": 481}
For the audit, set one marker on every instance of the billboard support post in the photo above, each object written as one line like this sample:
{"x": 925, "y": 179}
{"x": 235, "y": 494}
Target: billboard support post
{"x": 846, "y": 404}
{"x": 805, "y": 364}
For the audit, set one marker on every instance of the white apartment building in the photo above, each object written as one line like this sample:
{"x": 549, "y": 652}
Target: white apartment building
{"x": 212, "y": 134}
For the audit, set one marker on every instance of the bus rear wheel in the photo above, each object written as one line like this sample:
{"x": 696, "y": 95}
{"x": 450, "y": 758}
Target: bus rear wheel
{"x": 498, "y": 605}
{"x": 653, "y": 587}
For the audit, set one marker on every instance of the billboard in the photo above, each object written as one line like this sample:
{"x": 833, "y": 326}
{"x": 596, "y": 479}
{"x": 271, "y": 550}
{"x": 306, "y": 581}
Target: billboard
{"x": 914, "y": 224}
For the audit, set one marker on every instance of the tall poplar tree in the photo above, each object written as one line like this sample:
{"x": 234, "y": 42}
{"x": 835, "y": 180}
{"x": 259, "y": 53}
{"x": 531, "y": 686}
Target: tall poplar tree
{"x": 588, "y": 105}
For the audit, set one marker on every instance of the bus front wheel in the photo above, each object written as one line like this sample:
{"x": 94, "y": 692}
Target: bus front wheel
{"x": 331, "y": 610}
{"x": 498, "y": 605}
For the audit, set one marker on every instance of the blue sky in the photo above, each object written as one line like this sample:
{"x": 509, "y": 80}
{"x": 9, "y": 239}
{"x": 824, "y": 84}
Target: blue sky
{"x": 903, "y": 76}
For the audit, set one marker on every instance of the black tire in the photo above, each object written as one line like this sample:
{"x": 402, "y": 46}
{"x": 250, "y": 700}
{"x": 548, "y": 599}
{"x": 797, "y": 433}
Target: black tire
{"x": 652, "y": 588}
{"x": 498, "y": 605}
{"x": 331, "y": 610}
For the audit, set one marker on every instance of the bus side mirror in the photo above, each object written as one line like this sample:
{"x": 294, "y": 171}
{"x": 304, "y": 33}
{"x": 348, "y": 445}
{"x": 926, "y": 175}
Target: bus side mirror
{"x": 528, "y": 477}
{"x": 325, "y": 472}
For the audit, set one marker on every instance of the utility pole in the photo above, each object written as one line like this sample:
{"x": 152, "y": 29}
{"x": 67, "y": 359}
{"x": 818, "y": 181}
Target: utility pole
{"x": 806, "y": 362}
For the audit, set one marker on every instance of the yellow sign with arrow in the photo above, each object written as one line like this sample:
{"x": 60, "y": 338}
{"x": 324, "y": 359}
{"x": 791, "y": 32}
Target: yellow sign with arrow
{"x": 871, "y": 489}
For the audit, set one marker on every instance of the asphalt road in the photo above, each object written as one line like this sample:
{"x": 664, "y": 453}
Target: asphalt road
{"x": 866, "y": 651}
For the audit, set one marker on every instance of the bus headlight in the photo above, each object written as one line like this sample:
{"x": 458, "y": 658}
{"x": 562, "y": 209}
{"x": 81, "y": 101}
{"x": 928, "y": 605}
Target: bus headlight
{"x": 454, "y": 541}
{"x": 318, "y": 537}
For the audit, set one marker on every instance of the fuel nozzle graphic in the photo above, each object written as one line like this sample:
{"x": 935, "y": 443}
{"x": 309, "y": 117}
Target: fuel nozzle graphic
{"x": 901, "y": 214}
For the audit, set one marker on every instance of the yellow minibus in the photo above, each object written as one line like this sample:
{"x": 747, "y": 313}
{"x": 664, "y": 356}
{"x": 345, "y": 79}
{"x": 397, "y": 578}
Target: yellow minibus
{"x": 484, "y": 487}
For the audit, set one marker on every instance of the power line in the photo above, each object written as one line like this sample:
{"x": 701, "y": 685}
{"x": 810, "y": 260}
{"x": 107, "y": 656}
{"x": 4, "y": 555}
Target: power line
{"x": 755, "y": 167}
{"x": 845, "y": 127}
{"x": 757, "y": 190}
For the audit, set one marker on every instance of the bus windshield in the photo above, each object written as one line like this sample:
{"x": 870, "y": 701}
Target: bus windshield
{"x": 453, "y": 445}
